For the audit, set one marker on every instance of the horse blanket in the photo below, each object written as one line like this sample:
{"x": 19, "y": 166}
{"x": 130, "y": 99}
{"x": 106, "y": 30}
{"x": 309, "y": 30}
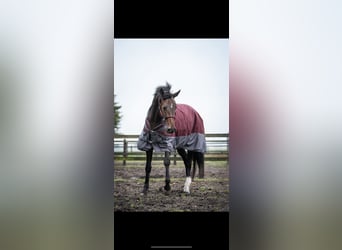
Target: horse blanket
{"x": 189, "y": 133}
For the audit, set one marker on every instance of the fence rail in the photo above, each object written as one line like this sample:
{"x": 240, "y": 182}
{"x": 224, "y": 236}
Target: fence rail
{"x": 125, "y": 149}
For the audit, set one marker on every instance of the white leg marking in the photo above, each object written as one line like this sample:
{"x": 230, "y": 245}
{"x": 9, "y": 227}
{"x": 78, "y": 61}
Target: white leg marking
{"x": 187, "y": 185}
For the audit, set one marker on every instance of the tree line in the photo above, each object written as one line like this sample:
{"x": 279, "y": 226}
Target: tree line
{"x": 117, "y": 116}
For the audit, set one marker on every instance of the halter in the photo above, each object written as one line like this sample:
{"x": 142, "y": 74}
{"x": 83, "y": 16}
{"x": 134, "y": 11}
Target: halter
{"x": 166, "y": 117}
{"x": 166, "y": 95}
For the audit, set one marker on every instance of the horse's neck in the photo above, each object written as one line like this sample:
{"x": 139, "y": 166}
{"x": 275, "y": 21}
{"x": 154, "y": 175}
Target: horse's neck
{"x": 154, "y": 116}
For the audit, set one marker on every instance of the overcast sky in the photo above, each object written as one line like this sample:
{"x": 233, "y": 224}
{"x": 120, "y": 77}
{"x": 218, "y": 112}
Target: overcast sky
{"x": 198, "y": 67}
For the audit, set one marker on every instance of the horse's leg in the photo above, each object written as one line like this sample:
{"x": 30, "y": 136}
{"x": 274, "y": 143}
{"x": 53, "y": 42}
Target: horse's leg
{"x": 193, "y": 170}
{"x": 200, "y": 162}
{"x": 187, "y": 158}
{"x": 167, "y": 173}
{"x": 148, "y": 168}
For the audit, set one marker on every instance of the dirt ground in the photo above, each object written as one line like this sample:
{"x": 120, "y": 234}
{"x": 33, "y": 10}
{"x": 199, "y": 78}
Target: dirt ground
{"x": 210, "y": 194}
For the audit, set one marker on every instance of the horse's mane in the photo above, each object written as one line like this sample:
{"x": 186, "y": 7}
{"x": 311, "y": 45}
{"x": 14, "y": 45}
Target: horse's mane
{"x": 163, "y": 91}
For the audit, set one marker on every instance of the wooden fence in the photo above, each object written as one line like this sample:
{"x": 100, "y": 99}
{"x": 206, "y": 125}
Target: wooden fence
{"x": 125, "y": 149}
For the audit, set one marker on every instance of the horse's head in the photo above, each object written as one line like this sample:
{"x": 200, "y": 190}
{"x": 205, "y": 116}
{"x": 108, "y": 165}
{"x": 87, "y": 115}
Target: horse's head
{"x": 167, "y": 106}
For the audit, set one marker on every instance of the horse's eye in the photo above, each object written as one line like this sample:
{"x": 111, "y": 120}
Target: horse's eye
{"x": 164, "y": 108}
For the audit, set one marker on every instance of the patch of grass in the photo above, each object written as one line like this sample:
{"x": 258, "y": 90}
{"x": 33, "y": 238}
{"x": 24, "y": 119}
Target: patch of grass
{"x": 176, "y": 210}
{"x": 120, "y": 179}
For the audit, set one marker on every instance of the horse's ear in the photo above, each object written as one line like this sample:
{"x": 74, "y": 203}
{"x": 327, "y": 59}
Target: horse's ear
{"x": 175, "y": 94}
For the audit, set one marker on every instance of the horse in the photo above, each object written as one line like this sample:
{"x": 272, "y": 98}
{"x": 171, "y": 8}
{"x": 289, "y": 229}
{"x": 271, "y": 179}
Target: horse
{"x": 169, "y": 127}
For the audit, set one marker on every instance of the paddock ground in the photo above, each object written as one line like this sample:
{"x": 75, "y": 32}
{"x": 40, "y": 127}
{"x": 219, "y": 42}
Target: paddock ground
{"x": 210, "y": 194}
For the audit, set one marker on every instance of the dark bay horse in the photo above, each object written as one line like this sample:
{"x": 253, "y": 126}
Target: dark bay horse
{"x": 169, "y": 127}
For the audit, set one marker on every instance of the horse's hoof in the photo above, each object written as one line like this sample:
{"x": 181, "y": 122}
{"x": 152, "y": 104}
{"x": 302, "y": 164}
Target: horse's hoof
{"x": 163, "y": 190}
{"x": 187, "y": 191}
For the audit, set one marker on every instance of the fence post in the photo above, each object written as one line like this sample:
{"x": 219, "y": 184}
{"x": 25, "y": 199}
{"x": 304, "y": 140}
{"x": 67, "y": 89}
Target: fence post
{"x": 124, "y": 151}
